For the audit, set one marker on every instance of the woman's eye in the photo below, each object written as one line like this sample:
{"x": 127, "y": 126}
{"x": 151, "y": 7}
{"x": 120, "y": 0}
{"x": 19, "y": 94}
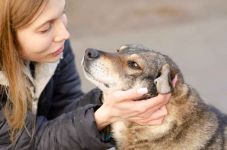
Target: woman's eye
{"x": 44, "y": 31}
{"x": 134, "y": 65}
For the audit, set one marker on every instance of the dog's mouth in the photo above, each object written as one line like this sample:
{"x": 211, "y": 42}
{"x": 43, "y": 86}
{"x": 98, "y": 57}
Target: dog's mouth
{"x": 86, "y": 70}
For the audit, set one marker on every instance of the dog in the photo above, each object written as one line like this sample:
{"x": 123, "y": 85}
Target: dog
{"x": 190, "y": 123}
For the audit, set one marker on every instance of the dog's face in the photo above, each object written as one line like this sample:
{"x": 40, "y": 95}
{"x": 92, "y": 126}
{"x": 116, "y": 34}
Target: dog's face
{"x": 133, "y": 66}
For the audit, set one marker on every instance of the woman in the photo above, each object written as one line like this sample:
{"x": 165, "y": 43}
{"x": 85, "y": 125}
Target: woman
{"x": 41, "y": 103}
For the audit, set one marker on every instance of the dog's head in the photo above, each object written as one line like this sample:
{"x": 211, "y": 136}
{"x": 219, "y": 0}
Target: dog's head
{"x": 132, "y": 66}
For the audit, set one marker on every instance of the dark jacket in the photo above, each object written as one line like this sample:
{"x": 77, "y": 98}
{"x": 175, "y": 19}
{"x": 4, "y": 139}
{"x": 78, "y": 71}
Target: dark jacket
{"x": 65, "y": 116}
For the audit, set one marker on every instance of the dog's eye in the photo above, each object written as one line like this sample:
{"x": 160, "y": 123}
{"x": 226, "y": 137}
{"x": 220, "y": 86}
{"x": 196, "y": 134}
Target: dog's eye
{"x": 134, "y": 65}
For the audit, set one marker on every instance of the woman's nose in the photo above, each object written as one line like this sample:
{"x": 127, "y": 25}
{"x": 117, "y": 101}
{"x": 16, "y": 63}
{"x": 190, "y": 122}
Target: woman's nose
{"x": 62, "y": 34}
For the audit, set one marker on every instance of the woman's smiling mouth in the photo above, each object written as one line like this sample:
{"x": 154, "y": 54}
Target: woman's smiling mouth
{"x": 59, "y": 51}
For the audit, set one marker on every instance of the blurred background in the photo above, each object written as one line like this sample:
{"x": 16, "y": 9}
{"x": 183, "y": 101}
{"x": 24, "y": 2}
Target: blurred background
{"x": 193, "y": 33}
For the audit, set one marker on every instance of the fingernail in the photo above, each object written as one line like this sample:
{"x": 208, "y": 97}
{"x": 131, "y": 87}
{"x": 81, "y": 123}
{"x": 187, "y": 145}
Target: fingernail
{"x": 142, "y": 91}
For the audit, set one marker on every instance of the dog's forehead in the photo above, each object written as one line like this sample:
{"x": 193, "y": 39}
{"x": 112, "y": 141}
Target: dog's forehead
{"x": 150, "y": 57}
{"x": 139, "y": 50}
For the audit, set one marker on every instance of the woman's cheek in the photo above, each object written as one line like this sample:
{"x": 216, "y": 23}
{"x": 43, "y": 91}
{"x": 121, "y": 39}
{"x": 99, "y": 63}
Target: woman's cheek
{"x": 44, "y": 41}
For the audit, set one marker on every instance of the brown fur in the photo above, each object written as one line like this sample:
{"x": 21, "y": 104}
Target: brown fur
{"x": 190, "y": 123}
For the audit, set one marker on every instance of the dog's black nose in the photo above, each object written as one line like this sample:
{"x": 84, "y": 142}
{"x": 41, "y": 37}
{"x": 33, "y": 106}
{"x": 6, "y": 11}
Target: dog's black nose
{"x": 91, "y": 54}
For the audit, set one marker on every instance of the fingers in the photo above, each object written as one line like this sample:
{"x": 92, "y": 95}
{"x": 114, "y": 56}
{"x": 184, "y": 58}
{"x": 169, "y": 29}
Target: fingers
{"x": 153, "y": 103}
{"x": 129, "y": 94}
{"x": 160, "y": 113}
{"x": 145, "y": 112}
{"x": 136, "y": 93}
{"x": 156, "y": 122}
{"x": 153, "y": 110}
{"x": 150, "y": 115}
{"x": 157, "y": 117}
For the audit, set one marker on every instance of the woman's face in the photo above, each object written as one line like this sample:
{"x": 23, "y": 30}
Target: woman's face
{"x": 43, "y": 40}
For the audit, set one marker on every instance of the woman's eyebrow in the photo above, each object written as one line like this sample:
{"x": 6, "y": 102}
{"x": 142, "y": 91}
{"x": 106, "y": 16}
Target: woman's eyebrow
{"x": 47, "y": 21}
{"x": 43, "y": 24}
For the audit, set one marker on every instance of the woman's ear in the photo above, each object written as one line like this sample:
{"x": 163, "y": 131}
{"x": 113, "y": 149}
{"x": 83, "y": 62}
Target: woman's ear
{"x": 164, "y": 82}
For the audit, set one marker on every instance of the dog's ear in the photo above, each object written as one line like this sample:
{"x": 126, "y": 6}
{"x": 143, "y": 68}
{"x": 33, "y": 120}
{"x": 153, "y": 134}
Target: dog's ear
{"x": 122, "y": 48}
{"x": 164, "y": 82}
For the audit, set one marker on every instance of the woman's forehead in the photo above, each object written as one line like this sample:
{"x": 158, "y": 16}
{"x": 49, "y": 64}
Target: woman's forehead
{"x": 47, "y": 12}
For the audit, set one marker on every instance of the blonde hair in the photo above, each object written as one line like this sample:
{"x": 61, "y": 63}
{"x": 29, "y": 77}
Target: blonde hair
{"x": 14, "y": 15}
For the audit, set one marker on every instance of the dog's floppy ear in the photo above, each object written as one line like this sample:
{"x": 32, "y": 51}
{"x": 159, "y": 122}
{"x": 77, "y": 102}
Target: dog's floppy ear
{"x": 164, "y": 82}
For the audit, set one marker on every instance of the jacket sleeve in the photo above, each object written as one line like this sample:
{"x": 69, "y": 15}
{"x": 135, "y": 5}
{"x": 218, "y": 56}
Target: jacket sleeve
{"x": 74, "y": 130}
{"x": 67, "y": 94}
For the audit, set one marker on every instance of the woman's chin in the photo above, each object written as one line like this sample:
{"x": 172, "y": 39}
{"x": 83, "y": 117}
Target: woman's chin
{"x": 51, "y": 59}
{"x": 56, "y": 58}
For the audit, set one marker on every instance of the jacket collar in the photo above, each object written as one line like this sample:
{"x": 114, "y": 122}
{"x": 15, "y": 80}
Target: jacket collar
{"x": 43, "y": 73}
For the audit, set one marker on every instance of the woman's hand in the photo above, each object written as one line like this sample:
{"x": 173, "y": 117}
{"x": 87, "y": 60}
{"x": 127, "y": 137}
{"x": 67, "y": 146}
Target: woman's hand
{"x": 119, "y": 105}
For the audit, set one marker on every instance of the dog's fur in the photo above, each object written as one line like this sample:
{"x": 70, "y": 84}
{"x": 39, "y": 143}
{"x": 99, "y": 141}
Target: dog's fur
{"x": 190, "y": 123}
